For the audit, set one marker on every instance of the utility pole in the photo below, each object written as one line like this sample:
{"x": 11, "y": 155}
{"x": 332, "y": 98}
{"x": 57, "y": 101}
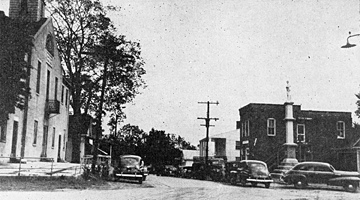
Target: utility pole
{"x": 207, "y": 125}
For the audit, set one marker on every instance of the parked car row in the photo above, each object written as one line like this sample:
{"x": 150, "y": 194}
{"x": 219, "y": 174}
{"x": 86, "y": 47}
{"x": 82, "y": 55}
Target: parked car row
{"x": 318, "y": 172}
{"x": 255, "y": 172}
{"x": 243, "y": 172}
{"x": 236, "y": 172}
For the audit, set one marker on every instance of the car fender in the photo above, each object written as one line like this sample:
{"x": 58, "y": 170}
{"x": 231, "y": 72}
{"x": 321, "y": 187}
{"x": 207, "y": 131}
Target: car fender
{"x": 341, "y": 180}
{"x": 294, "y": 177}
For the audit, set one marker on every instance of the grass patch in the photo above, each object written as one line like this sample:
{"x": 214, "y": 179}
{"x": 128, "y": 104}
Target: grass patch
{"x": 34, "y": 183}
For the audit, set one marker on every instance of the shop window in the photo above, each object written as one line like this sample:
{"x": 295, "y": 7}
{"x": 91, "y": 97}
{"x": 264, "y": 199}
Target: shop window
{"x": 340, "y": 127}
{"x": 271, "y": 127}
{"x": 301, "y": 133}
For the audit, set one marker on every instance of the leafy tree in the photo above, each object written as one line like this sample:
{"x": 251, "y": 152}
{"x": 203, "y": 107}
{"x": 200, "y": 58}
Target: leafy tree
{"x": 78, "y": 25}
{"x": 183, "y": 144}
{"x": 161, "y": 149}
{"x": 105, "y": 70}
{"x": 15, "y": 43}
{"x": 130, "y": 141}
{"x": 156, "y": 147}
{"x": 357, "y": 112}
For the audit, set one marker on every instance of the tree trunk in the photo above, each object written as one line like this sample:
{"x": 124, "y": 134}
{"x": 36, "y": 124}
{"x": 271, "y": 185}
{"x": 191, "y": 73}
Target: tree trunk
{"x": 99, "y": 118}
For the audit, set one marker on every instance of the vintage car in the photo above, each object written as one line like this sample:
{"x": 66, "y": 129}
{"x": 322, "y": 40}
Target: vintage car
{"x": 129, "y": 167}
{"x": 199, "y": 170}
{"x": 319, "y": 172}
{"x": 145, "y": 172}
{"x": 186, "y": 171}
{"x": 231, "y": 171}
{"x": 248, "y": 171}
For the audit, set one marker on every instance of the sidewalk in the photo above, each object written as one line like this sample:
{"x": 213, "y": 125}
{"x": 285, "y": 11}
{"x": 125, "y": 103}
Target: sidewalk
{"x": 40, "y": 169}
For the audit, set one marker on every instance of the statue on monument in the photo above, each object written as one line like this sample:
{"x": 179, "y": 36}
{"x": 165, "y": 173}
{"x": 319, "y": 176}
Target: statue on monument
{"x": 288, "y": 95}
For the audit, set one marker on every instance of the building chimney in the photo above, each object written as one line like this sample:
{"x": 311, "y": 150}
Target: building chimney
{"x": 29, "y": 10}
{"x": 2, "y": 14}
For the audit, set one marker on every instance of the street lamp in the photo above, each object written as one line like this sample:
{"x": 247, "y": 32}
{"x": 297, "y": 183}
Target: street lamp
{"x": 348, "y": 44}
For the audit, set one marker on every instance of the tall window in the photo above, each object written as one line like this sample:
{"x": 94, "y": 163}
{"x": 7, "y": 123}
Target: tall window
{"x": 340, "y": 126}
{"x": 56, "y": 87}
{"x": 62, "y": 94}
{"x": 24, "y": 6}
{"x": 67, "y": 97}
{"x": 64, "y": 139}
{"x": 38, "y": 78}
{"x": 301, "y": 133}
{"x": 271, "y": 127}
{"x": 53, "y": 138}
{"x": 3, "y": 132}
{"x": 237, "y": 145}
{"x": 35, "y": 131}
{"x": 247, "y": 127}
{"x": 50, "y": 44}
{"x": 47, "y": 85}
{"x": 242, "y": 130}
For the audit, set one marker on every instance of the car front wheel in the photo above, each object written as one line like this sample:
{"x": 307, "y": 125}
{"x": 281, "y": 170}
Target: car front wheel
{"x": 243, "y": 181}
{"x": 267, "y": 185}
{"x": 350, "y": 187}
{"x": 300, "y": 183}
{"x": 233, "y": 180}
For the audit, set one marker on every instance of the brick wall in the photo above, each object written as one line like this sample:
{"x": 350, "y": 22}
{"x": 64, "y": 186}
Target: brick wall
{"x": 34, "y": 11}
{"x": 321, "y": 135}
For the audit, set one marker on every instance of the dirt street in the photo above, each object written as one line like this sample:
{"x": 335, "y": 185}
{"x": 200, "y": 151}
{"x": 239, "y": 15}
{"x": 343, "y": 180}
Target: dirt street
{"x": 157, "y": 187}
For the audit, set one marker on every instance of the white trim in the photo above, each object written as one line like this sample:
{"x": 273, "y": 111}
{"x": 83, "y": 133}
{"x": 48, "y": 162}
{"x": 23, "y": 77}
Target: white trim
{"x": 129, "y": 175}
{"x": 259, "y": 180}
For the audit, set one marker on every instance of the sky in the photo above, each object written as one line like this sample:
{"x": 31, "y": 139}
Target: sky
{"x": 236, "y": 53}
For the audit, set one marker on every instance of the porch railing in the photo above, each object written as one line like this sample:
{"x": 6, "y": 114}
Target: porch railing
{"x": 32, "y": 166}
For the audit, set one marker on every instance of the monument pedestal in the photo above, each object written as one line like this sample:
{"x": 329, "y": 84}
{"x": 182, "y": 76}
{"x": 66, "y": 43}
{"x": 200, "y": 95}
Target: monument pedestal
{"x": 290, "y": 159}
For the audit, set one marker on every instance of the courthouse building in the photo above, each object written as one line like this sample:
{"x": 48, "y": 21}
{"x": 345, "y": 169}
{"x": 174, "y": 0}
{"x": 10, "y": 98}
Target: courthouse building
{"x": 40, "y": 131}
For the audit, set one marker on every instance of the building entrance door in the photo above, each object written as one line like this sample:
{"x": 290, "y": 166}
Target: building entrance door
{"x": 59, "y": 148}
{"x": 44, "y": 144}
{"x": 14, "y": 139}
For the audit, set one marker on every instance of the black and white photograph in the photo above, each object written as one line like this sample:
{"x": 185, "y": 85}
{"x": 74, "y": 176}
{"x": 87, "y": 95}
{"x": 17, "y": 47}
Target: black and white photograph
{"x": 180, "y": 99}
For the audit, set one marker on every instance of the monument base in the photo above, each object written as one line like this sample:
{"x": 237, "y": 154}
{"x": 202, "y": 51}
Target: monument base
{"x": 290, "y": 156}
{"x": 289, "y": 162}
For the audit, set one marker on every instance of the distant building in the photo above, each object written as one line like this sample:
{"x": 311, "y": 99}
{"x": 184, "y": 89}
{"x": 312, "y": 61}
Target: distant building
{"x": 188, "y": 157}
{"x": 40, "y": 131}
{"x": 320, "y": 135}
{"x": 224, "y": 145}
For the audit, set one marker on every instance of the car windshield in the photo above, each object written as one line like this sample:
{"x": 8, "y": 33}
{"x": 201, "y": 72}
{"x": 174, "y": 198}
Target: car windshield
{"x": 332, "y": 168}
{"x": 258, "y": 168}
{"x": 129, "y": 161}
